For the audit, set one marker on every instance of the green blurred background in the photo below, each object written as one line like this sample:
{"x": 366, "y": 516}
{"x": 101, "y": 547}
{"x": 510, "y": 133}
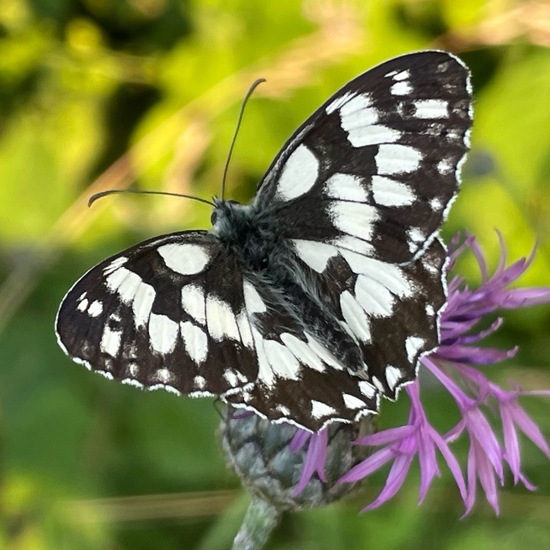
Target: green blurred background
{"x": 98, "y": 94}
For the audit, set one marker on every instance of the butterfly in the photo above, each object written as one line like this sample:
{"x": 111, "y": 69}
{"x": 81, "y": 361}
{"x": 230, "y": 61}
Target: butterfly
{"x": 320, "y": 295}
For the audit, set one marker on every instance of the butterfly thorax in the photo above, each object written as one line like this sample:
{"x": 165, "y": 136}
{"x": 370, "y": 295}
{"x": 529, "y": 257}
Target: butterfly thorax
{"x": 247, "y": 234}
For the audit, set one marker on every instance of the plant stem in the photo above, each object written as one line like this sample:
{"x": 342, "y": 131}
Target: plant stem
{"x": 258, "y": 523}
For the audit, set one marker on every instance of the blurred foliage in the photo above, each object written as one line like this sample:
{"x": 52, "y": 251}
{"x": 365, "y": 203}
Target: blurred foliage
{"x": 98, "y": 94}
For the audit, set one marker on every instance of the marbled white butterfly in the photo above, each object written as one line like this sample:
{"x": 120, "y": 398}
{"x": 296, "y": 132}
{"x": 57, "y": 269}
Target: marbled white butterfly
{"x": 320, "y": 295}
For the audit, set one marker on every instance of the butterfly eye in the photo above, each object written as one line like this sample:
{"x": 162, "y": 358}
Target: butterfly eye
{"x": 213, "y": 217}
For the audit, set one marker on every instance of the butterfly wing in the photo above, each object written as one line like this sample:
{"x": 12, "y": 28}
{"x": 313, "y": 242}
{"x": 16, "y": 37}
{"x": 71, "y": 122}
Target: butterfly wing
{"x": 359, "y": 194}
{"x": 167, "y": 313}
{"x": 375, "y": 168}
{"x": 299, "y": 380}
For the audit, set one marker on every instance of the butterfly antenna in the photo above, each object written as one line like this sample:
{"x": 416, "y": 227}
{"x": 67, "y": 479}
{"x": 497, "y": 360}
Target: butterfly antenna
{"x": 253, "y": 86}
{"x": 102, "y": 194}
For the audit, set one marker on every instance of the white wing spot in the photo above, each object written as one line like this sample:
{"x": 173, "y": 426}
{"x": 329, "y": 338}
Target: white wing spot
{"x": 199, "y": 382}
{"x": 431, "y": 108}
{"x": 401, "y": 88}
{"x": 283, "y": 363}
{"x": 220, "y": 319}
{"x": 143, "y": 303}
{"x": 163, "y": 333}
{"x": 358, "y": 111}
{"x": 133, "y": 370}
{"x": 338, "y": 102}
{"x": 110, "y": 341}
{"x": 82, "y": 306}
{"x": 95, "y": 309}
{"x": 320, "y": 410}
{"x": 445, "y": 167}
{"x": 374, "y": 297}
{"x": 402, "y": 75}
{"x": 231, "y": 377}
{"x": 436, "y": 204}
{"x": 195, "y": 341}
{"x": 193, "y": 302}
{"x": 243, "y": 323}
{"x": 164, "y": 376}
{"x": 354, "y": 218}
{"x": 115, "y": 264}
{"x": 315, "y": 254}
{"x": 132, "y": 290}
{"x": 359, "y": 119}
{"x": 373, "y": 135}
{"x": 353, "y": 244}
{"x": 367, "y": 389}
{"x": 416, "y": 237}
{"x": 301, "y": 349}
{"x": 390, "y": 276}
{"x": 322, "y": 352}
{"x": 299, "y": 174}
{"x": 253, "y": 301}
{"x": 413, "y": 345}
{"x": 378, "y": 384}
{"x": 393, "y": 376}
{"x": 184, "y": 258}
{"x": 125, "y": 283}
{"x": 352, "y": 402}
{"x": 285, "y": 411}
{"x": 265, "y": 373}
{"x": 388, "y": 192}
{"x": 394, "y": 158}
{"x": 355, "y": 316}
{"x": 345, "y": 187}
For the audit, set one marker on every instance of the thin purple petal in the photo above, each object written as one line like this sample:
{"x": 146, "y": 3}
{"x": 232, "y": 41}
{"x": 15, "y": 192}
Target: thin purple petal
{"x": 395, "y": 480}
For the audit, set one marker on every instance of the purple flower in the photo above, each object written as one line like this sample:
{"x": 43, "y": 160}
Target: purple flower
{"x": 457, "y": 364}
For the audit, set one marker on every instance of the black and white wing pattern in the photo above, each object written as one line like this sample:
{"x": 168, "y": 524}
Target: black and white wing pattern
{"x": 360, "y": 192}
{"x": 167, "y": 313}
{"x": 321, "y": 295}
{"x": 374, "y": 170}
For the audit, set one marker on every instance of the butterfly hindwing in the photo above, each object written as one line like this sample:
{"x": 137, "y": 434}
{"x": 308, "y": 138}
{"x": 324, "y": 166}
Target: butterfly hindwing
{"x": 299, "y": 379}
{"x": 390, "y": 309}
{"x": 166, "y": 313}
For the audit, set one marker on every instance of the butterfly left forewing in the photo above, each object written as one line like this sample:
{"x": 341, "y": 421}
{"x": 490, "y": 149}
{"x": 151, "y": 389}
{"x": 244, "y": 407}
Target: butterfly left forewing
{"x": 167, "y": 313}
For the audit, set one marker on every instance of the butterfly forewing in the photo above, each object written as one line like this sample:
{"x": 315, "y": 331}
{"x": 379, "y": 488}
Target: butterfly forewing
{"x": 167, "y": 313}
{"x": 322, "y": 294}
{"x": 375, "y": 168}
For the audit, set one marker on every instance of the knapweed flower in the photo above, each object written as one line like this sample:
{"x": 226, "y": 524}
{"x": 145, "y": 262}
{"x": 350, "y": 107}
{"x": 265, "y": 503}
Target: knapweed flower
{"x": 459, "y": 365}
